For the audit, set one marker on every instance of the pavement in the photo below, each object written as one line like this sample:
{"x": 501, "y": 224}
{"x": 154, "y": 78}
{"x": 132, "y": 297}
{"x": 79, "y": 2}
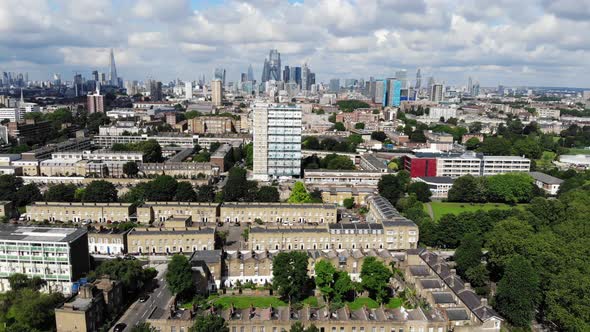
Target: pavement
{"x": 139, "y": 312}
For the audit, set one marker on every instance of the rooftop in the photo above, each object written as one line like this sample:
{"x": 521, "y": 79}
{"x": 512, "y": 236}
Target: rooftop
{"x": 545, "y": 178}
{"x": 39, "y": 234}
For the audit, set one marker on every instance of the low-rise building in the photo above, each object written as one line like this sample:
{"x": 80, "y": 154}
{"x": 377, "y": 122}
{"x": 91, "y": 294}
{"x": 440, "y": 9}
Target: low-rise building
{"x": 58, "y": 256}
{"x": 154, "y": 240}
{"x": 278, "y": 212}
{"x": 183, "y": 169}
{"x": 439, "y": 185}
{"x": 5, "y": 209}
{"x": 213, "y": 125}
{"x": 322, "y": 177}
{"x": 162, "y": 211}
{"x": 548, "y": 183}
{"x": 90, "y": 308}
{"x": 80, "y": 212}
{"x": 222, "y": 157}
{"x": 337, "y": 195}
{"x": 209, "y": 264}
{"x": 107, "y": 241}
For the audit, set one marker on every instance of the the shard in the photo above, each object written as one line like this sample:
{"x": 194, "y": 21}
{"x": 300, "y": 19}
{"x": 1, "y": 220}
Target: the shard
{"x": 113, "y": 78}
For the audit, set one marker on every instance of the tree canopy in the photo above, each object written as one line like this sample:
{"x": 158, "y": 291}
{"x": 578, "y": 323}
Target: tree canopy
{"x": 100, "y": 191}
{"x": 179, "y": 276}
{"x": 289, "y": 270}
{"x": 375, "y": 278}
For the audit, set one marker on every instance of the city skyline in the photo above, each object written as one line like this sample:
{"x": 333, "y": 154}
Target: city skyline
{"x": 506, "y": 43}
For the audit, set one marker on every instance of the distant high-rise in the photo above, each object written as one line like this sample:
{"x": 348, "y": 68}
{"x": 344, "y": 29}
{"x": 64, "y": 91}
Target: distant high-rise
{"x": 219, "y": 75}
{"x": 402, "y": 76}
{"x": 418, "y": 80}
{"x": 436, "y": 93}
{"x": 392, "y": 92}
{"x": 470, "y": 86}
{"x": 155, "y": 90}
{"x": 95, "y": 75}
{"x": 429, "y": 86}
{"x": 95, "y": 102}
{"x": 188, "y": 90}
{"x": 305, "y": 78}
{"x": 216, "y": 92}
{"x": 475, "y": 89}
{"x": 272, "y": 67}
{"x": 286, "y": 74}
{"x": 113, "y": 78}
{"x": 250, "y": 73}
{"x": 334, "y": 85}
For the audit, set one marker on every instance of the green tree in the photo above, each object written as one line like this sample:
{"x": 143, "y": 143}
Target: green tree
{"x": 348, "y": 203}
{"x": 467, "y": 188}
{"x": 343, "y": 285}
{"x": 185, "y": 192}
{"x": 205, "y": 193}
{"x": 33, "y": 311}
{"x": 27, "y": 194}
{"x": 129, "y": 272}
{"x": 375, "y": 278}
{"x": 324, "y": 278}
{"x": 267, "y": 194}
{"x": 510, "y": 187}
{"x": 249, "y": 155}
{"x": 468, "y": 254}
{"x": 421, "y": 190}
{"x": 334, "y": 161}
{"x": 518, "y": 292}
{"x": 290, "y": 275}
{"x": 495, "y": 146}
{"x": 179, "y": 276}
{"x": 299, "y": 194}
{"x": 209, "y": 323}
{"x": 505, "y": 240}
{"x": 162, "y": 188}
{"x": 359, "y": 125}
{"x": 339, "y": 126}
{"x": 61, "y": 193}
{"x": 152, "y": 151}
{"x": 130, "y": 169}
{"x": 392, "y": 187}
{"x": 202, "y": 157}
{"x": 311, "y": 143}
{"x": 236, "y": 186}
{"x": 568, "y": 299}
{"x": 378, "y": 136}
{"x": 9, "y": 184}
{"x": 472, "y": 143}
{"x": 100, "y": 191}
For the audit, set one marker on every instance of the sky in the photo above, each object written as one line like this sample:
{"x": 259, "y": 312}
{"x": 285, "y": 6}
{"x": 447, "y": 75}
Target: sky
{"x": 509, "y": 42}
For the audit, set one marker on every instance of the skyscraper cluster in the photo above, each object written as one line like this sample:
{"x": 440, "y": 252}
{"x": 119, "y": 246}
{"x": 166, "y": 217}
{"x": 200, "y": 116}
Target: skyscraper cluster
{"x": 271, "y": 71}
{"x": 14, "y": 79}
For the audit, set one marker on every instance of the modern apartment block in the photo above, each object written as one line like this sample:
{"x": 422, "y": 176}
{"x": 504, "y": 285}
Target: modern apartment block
{"x": 79, "y": 212}
{"x": 57, "y": 255}
{"x": 456, "y": 165}
{"x": 277, "y": 140}
{"x": 105, "y": 141}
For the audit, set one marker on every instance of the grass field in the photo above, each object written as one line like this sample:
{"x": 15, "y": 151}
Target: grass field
{"x": 243, "y": 302}
{"x": 546, "y": 160}
{"x": 439, "y": 209}
{"x": 360, "y": 302}
{"x": 578, "y": 151}
{"x": 312, "y": 301}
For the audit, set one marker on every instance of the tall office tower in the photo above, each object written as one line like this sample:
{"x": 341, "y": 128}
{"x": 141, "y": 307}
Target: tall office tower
{"x": 103, "y": 78}
{"x": 312, "y": 78}
{"x": 56, "y": 79}
{"x": 292, "y": 75}
{"x": 188, "y": 90}
{"x": 243, "y": 77}
{"x": 429, "y": 86}
{"x": 402, "y": 76}
{"x": 298, "y": 76}
{"x": 277, "y": 140}
{"x": 475, "y": 89}
{"x": 334, "y": 85}
{"x": 216, "y": 92}
{"x": 501, "y": 90}
{"x": 95, "y": 75}
{"x": 436, "y": 93}
{"x": 305, "y": 79}
{"x": 470, "y": 86}
{"x": 250, "y": 73}
{"x": 379, "y": 91}
{"x": 78, "y": 85}
{"x": 392, "y": 92}
{"x": 418, "y": 84}
{"x": 113, "y": 78}
{"x": 286, "y": 74}
{"x": 272, "y": 67}
{"x": 95, "y": 102}
{"x": 219, "y": 74}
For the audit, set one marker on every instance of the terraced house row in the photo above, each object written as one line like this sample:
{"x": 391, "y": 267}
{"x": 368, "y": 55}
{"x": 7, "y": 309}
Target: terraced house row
{"x": 199, "y": 212}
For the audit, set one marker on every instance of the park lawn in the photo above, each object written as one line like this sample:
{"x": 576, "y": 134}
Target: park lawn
{"x": 243, "y": 302}
{"x": 439, "y": 209}
{"x": 394, "y": 302}
{"x": 546, "y": 160}
{"x": 311, "y": 301}
{"x": 360, "y": 302}
{"x": 578, "y": 151}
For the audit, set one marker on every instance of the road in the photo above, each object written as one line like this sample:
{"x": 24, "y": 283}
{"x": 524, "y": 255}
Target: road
{"x": 139, "y": 312}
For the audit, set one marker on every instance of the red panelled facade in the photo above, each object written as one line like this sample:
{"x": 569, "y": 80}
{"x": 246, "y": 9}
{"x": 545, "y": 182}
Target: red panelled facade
{"x": 420, "y": 166}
